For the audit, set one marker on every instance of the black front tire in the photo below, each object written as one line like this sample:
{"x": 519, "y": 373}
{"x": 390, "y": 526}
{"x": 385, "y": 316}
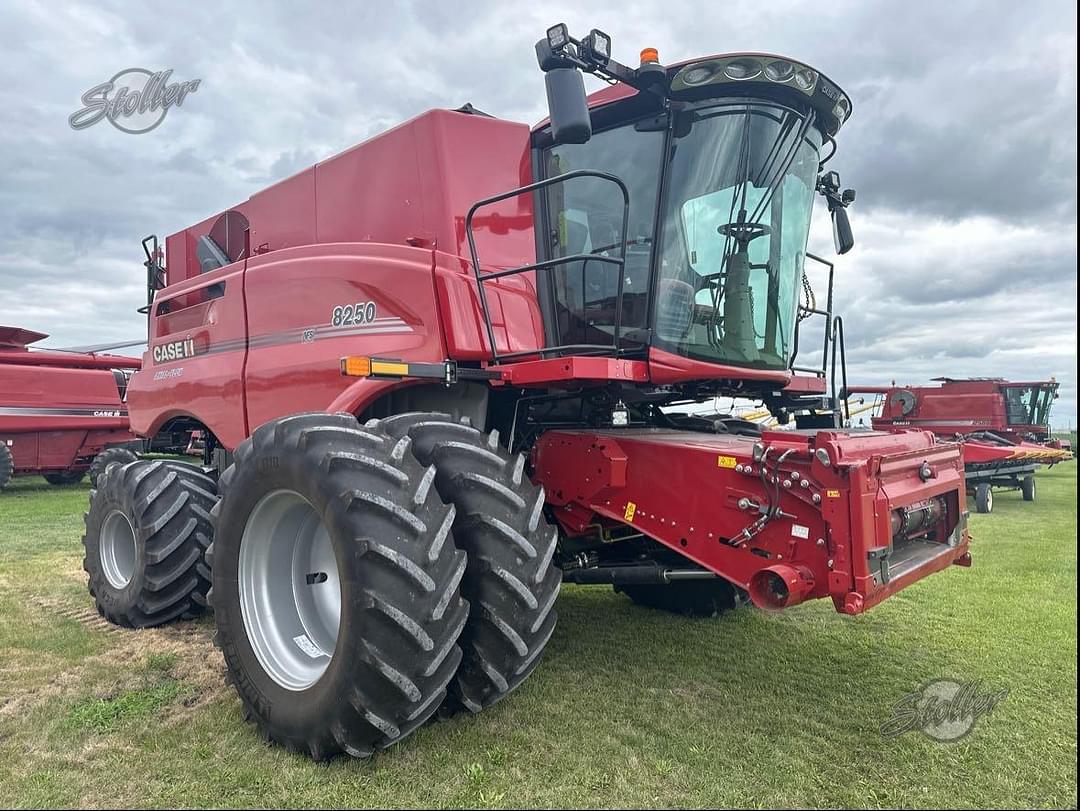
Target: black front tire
{"x": 110, "y": 456}
{"x": 7, "y": 464}
{"x": 690, "y": 598}
{"x": 1027, "y": 487}
{"x": 401, "y": 611}
{"x": 510, "y": 583}
{"x": 984, "y": 498}
{"x": 64, "y": 478}
{"x": 167, "y": 509}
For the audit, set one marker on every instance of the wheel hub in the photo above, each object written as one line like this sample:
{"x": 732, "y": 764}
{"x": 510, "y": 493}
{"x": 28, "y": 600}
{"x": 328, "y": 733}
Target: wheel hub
{"x": 290, "y": 593}
{"x": 117, "y": 549}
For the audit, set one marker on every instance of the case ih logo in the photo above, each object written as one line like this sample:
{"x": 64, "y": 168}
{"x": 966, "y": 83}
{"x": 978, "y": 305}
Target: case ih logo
{"x": 134, "y": 100}
{"x": 174, "y": 350}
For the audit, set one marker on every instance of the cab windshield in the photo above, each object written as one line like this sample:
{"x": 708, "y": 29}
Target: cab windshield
{"x": 739, "y": 186}
{"x": 740, "y": 194}
{"x": 1028, "y": 405}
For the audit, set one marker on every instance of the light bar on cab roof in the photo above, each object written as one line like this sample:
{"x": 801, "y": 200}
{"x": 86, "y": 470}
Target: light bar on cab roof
{"x": 766, "y": 71}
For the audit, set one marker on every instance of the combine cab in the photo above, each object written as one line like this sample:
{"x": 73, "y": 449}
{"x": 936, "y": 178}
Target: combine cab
{"x": 441, "y": 372}
{"x": 62, "y": 414}
{"x": 1003, "y": 428}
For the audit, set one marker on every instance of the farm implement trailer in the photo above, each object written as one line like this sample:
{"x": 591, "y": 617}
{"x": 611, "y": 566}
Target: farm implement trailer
{"x": 427, "y": 400}
{"x": 1003, "y": 427}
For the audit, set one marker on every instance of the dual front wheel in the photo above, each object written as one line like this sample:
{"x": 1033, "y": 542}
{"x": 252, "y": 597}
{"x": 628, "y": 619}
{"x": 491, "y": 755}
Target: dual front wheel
{"x": 363, "y": 576}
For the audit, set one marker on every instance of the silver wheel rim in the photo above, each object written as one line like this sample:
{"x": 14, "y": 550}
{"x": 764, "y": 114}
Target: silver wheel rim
{"x": 117, "y": 549}
{"x": 290, "y": 594}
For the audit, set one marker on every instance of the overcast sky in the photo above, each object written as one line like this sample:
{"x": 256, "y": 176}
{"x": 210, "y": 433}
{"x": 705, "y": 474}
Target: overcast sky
{"x": 962, "y": 146}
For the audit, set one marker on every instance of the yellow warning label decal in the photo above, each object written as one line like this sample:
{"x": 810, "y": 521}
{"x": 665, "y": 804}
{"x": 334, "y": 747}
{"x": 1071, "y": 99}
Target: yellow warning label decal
{"x": 631, "y": 508}
{"x": 726, "y": 461}
{"x": 832, "y": 493}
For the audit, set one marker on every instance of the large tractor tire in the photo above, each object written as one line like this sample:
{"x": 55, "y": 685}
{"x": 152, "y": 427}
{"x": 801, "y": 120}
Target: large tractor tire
{"x": 65, "y": 477}
{"x": 1027, "y": 487}
{"x": 7, "y": 465}
{"x": 147, "y": 531}
{"x": 984, "y": 498}
{"x": 690, "y": 598}
{"x": 110, "y": 456}
{"x": 510, "y": 583}
{"x": 336, "y": 585}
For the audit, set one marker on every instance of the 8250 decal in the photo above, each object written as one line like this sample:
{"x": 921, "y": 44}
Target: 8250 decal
{"x": 362, "y": 312}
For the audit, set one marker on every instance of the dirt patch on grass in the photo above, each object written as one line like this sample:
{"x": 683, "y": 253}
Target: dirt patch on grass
{"x": 182, "y": 651}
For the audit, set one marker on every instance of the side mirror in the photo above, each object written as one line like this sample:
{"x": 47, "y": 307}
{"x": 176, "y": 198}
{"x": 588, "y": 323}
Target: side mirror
{"x": 567, "y": 108}
{"x": 843, "y": 239}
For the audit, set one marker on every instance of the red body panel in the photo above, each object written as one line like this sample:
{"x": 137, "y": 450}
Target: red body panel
{"x": 58, "y": 409}
{"x": 380, "y": 223}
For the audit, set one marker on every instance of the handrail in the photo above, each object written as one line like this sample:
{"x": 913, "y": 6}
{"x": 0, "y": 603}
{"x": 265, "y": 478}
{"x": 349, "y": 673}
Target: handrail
{"x": 549, "y": 264}
{"x": 827, "y": 313}
{"x": 838, "y": 340}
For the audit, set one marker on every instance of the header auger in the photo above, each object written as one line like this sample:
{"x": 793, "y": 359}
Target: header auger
{"x": 443, "y": 371}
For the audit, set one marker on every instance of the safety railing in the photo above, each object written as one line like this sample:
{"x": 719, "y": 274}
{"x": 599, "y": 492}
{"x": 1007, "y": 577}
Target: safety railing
{"x": 547, "y": 265}
{"x": 806, "y": 312}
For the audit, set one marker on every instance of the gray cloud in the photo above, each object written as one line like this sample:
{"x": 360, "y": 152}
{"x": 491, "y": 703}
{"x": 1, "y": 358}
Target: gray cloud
{"x": 962, "y": 147}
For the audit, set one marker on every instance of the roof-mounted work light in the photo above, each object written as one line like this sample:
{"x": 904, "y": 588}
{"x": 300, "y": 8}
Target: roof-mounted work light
{"x": 558, "y": 36}
{"x": 596, "y": 47}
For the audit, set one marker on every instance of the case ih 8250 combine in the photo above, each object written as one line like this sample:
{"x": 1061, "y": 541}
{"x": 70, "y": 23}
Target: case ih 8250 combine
{"x": 1004, "y": 427}
{"x": 62, "y": 414}
{"x": 429, "y": 400}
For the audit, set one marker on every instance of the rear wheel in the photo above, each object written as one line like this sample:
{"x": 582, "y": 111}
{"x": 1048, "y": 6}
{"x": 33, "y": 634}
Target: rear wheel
{"x": 691, "y": 598}
{"x": 7, "y": 464}
{"x": 336, "y": 585}
{"x": 65, "y": 477}
{"x": 1027, "y": 487}
{"x": 147, "y": 531}
{"x": 110, "y": 456}
{"x": 984, "y": 498}
{"x": 510, "y": 582}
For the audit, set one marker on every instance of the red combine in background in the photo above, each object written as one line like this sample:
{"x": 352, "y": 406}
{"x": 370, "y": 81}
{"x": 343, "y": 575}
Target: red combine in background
{"x": 1004, "y": 427}
{"x": 62, "y": 413}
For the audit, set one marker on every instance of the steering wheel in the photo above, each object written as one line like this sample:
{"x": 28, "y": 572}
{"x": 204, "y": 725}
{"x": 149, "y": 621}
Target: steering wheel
{"x": 744, "y": 231}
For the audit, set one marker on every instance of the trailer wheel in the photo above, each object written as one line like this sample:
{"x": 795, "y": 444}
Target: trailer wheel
{"x": 65, "y": 477}
{"x": 147, "y": 531}
{"x": 691, "y": 598}
{"x": 1027, "y": 487}
{"x": 335, "y": 585}
{"x": 984, "y": 498}
{"x": 7, "y": 464}
{"x": 510, "y": 583}
{"x": 110, "y": 456}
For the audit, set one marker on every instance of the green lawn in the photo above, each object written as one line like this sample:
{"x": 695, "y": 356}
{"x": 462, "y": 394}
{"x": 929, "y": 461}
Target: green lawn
{"x": 630, "y": 708}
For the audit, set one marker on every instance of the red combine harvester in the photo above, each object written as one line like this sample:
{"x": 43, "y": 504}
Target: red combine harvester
{"x": 62, "y": 414}
{"x": 427, "y": 401}
{"x": 1003, "y": 427}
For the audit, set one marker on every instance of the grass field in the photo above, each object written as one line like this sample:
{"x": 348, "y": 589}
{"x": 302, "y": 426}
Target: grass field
{"x": 630, "y": 708}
